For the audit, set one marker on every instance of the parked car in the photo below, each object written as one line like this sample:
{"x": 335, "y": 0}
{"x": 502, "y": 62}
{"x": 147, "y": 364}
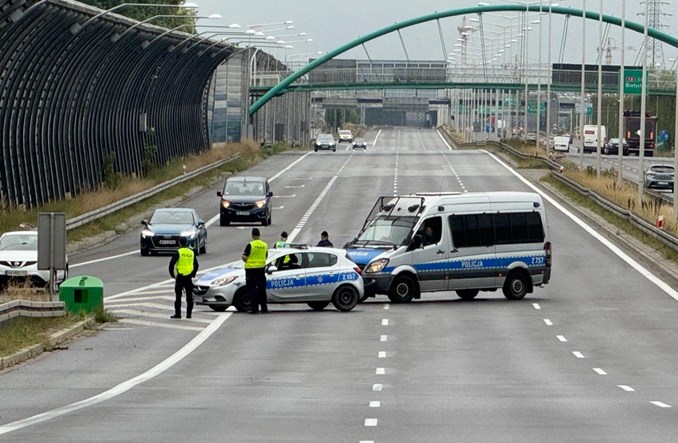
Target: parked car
{"x": 359, "y": 143}
{"x": 345, "y": 136}
{"x": 612, "y": 147}
{"x": 660, "y": 176}
{"x": 167, "y": 225}
{"x": 19, "y": 260}
{"x": 246, "y": 199}
{"x": 316, "y": 276}
{"x": 325, "y": 141}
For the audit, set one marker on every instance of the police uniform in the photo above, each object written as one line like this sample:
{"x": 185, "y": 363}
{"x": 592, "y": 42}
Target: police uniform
{"x": 255, "y": 272}
{"x": 183, "y": 267}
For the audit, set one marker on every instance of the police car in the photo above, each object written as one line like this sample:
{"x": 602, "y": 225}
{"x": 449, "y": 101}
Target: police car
{"x": 315, "y": 276}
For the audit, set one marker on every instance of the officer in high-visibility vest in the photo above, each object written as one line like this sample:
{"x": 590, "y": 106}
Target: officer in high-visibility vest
{"x": 282, "y": 243}
{"x": 254, "y": 257}
{"x": 182, "y": 268}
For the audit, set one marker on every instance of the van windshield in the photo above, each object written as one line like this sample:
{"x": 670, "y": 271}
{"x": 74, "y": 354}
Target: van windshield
{"x": 387, "y": 230}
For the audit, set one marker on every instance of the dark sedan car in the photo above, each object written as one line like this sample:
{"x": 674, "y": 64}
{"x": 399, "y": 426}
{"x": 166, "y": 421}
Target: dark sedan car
{"x": 325, "y": 141}
{"x": 246, "y": 199}
{"x": 167, "y": 226}
{"x": 359, "y": 143}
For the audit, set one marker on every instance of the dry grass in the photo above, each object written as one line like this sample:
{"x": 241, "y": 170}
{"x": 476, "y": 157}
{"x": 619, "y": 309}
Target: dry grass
{"x": 23, "y": 290}
{"x": 22, "y": 332}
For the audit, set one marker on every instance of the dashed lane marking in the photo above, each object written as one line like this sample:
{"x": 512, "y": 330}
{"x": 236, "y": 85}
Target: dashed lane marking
{"x": 377, "y": 387}
{"x": 383, "y": 338}
{"x": 384, "y": 322}
{"x": 599, "y": 371}
{"x": 627, "y": 388}
{"x": 375, "y": 404}
{"x": 380, "y": 371}
{"x": 561, "y": 338}
{"x": 548, "y": 322}
{"x": 577, "y": 354}
{"x": 381, "y": 354}
{"x": 370, "y": 422}
{"x": 536, "y": 306}
{"x": 660, "y": 404}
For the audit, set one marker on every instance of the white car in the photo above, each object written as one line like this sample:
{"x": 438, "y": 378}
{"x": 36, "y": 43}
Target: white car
{"x": 345, "y": 135}
{"x": 19, "y": 259}
{"x": 315, "y": 276}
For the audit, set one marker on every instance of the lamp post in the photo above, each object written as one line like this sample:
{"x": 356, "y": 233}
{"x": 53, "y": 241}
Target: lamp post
{"x": 76, "y": 27}
{"x": 600, "y": 86}
{"x": 581, "y": 93}
{"x": 117, "y": 37}
{"x": 147, "y": 43}
{"x": 620, "y": 80}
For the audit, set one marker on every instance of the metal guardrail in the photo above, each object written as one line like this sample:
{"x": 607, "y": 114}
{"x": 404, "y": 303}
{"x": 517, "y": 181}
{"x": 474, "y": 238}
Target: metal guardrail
{"x": 661, "y": 235}
{"x": 88, "y": 217}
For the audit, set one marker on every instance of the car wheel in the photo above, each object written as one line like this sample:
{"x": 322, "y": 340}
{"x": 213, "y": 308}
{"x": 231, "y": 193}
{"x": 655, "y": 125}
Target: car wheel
{"x": 315, "y": 150}
{"x": 144, "y": 252}
{"x": 467, "y": 294}
{"x": 334, "y": 150}
{"x": 516, "y": 285}
{"x": 203, "y": 249}
{"x": 345, "y": 298}
{"x": 242, "y": 300}
{"x": 318, "y": 305}
{"x": 223, "y": 221}
{"x": 218, "y": 308}
{"x": 402, "y": 290}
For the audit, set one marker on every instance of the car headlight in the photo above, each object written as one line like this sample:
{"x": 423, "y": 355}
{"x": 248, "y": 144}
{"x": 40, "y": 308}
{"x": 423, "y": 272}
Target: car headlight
{"x": 332, "y": 143}
{"x": 260, "y": 203}
{"x": 376, "y": 266}
{"x": 225, "y": 204}
{"x": 147, "y": 233}
{"x": 224, "y": 281}
{"x": 191, "y": 233}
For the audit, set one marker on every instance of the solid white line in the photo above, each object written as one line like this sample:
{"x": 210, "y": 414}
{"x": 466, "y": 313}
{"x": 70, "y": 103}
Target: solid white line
{"x": 375, "y": 404}
{"x": 377, "y": 387}
{"x": 548, "y": 322}
{"x": 289, "y": 167}
{"x": 599, "y": 371}
{"x": 443, "y": 139}
{"x": 561, "y": 338}
{"x": 374, "y": 143}
{"x": 141, "y": 299}
{"x": 626, "y": 388}
{"x": 577, "y": 354}
{"x": 380, "y": 371}
{"x": 382, "y": 354}
{"x": 660, "y": 404}
{"x": 370, "y": 422}
{"x": 536, "y": 306}
{"x": 136, "y": 305}
{"x": 124, "y": 386}
{"x": 154, "y": 315}
{"x": 131, "y": 321}
{"x": 384, "y": 322}
{"x": 383, "y": 338}
{"x": 637, "y": 266}
{"x": 112, "y": 257}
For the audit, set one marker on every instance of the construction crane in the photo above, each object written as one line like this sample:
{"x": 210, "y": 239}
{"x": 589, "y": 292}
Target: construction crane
{"x": 610, "y": 47}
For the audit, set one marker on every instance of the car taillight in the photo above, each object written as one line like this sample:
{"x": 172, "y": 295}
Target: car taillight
{"x": 549, "y": 254}
{"x": 358, "y": 270}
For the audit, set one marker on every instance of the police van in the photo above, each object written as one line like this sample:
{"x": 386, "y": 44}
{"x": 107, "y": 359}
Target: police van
{"x": 466, "y": 243}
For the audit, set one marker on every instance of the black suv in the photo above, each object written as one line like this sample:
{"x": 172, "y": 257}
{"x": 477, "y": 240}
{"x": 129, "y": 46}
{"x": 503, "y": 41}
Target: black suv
{"x": 245, "y": 199}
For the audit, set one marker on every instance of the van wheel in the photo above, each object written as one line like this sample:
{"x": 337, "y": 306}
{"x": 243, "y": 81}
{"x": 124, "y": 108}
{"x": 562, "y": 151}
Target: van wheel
{"x": 467, "y": 294}
{"x": 242, "y": 301}
{"x": 516, "y": 285}
{"x": 318, "y": 305}
{"x": 345, "y": 298}
{"x": 402, "y": 290}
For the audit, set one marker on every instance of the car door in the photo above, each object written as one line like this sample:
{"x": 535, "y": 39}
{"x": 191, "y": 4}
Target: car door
{"x": 322, "y": 275}
{"x": 288, "y": 281}
{"x": 430, "y": 259}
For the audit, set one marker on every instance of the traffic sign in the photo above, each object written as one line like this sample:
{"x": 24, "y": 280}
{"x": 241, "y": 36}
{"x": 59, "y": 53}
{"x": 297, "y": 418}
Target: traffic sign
{"x": 632, "y": 81}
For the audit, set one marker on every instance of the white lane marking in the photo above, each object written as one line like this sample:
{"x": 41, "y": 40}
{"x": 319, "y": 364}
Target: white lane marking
{"x": 136, "y": 305}
{"x": 366, "y": 441}
{"x": 374, "y": 143}
{"x": 286, "y": 196}
{"x": 599, "y": 371}
{"x": 289, "y": 167}
{"x": 387, "y": 306}
{"x": 278, "y": 207}
{"x": 124, "y": 386}
{"x": 112, "y": 257}
{"x": 443, "y": 139}
{"x": 154, "y": 315}
{"x": 627, "y": 388}
{"x": 621, "y": 254}
{"x": 577, "y": 354}
{"x": 382, "y": 354}
{"x": 159, "y": 291}
{"x": 383, "y": 338}
{"x": 380, "y": 371}
{"x": 536, "y": 306}
{"x": 377, "y": 387}
{"x": 561, "y": 338}
{"x": 140, "y": 299}
{"x": 548, "y": 322}
{"x": 384, "y": 322}
{"x": 131, "y": 321}
{"x": 375, "y": 404}
{"x": 295, "y": 186}
{"x": 660, "y": 404}
{"x": 370, "y": 422}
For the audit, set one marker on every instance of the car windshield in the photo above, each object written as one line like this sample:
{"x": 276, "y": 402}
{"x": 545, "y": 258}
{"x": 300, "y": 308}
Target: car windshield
{"x": 359, "y": 140}
{"x": 165, "y": 217}
{"x": 325, "y": 137}
{"x": 391, "y": 230}
{"x": 242, "y": 187}
{"x": 19, "y": 242}
{"x": 344, "y": 132}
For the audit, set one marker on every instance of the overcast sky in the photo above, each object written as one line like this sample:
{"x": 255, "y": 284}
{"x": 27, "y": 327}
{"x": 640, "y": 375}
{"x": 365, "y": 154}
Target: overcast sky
{"x": 333, "y": 23}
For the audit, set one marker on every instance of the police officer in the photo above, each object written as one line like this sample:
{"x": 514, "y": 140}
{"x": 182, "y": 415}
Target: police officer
{"x": 182, "y": 268}
{"x": 325, "y": 240}
{"x": 282, "y": 243}
{"x": 254, "y": 257}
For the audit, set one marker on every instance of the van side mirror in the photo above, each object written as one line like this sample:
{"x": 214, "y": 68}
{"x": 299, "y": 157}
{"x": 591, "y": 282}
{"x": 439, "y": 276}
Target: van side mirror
{"x": 144, "y": 222}
{"x": 270, "y": 193}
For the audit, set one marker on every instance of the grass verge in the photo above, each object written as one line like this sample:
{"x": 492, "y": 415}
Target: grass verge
{"x": 22, "y": 332}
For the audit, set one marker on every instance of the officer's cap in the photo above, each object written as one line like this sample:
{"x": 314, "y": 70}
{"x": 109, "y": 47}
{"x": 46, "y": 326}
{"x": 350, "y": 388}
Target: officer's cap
{"x": 283, "y": 234}
{"x": 255, "y": 231}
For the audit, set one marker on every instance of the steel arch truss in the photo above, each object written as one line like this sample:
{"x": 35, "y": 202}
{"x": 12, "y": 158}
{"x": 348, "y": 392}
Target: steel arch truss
{"x": 76, "y": 106}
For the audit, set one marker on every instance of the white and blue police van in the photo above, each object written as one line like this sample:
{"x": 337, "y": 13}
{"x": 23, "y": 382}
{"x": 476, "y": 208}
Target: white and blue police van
{"x": 467, "y": 243}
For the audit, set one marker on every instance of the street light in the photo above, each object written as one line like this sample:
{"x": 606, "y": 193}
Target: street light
{"x": 75, "y": 27}
{"x": 117, "y": 37}
{"x": 286, "y": 22}
{"x": 147, "y": 43}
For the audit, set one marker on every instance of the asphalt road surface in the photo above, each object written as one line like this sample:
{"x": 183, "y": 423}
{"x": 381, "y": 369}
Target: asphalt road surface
{"x": 592, "y": 356}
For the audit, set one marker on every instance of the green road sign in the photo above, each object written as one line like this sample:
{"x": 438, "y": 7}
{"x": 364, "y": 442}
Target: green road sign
{"x": 532, "y": 108}
{"x": 632, "y": 81}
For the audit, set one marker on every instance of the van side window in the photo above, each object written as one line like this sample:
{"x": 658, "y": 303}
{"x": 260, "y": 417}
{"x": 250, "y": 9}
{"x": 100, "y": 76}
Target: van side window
{"x": 472, "y": 230}
{"x": 501, "y": 229}
{"x": 431, "y": 231}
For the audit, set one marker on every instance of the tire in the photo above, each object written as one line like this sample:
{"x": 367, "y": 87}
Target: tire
{"x": 223, "y": 221}
{"x": 218, "y": 308}
{"x": 334, "y": 150}
{"x": 315, "y": 150}
{"x": 265, "y": 222}
{"x": 467, "y": 294}
{"x": 366, "y": 295}
{"x": 203, "y": 250}
{"x": 144, "y": 252}
{"x": 318, "y": 305}
{"x": 345, "y": 298}
{"x": 516, "y": 285}
{"x": 402, "y": 290}
{"x": 242, "y": 301}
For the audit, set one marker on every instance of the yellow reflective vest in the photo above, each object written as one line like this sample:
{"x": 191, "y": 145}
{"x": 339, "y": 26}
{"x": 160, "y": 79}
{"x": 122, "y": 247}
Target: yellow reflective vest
{"x": 257, "y": 257}
{"x": 184, "y": 265}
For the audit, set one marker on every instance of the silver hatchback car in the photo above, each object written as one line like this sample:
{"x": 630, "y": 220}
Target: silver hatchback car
{"x": 316, "y": 276}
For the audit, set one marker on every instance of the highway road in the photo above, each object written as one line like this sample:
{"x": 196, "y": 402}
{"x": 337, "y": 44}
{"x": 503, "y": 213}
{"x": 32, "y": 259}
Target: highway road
{"x": 591, "y": 356}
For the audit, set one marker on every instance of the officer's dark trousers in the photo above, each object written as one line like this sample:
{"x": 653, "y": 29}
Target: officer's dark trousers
{"x": 255, "y": 279}
{"x": 183, "y": 283}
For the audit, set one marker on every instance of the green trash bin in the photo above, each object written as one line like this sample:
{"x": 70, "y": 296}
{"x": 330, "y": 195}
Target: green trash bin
{"x": 82, "y": 294}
